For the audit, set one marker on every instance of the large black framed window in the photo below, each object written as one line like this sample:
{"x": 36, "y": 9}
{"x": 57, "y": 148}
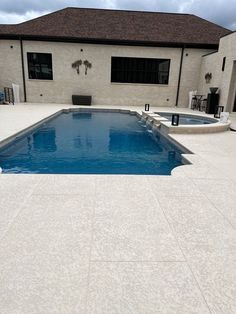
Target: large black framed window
{"x": 140, "y": 70}
{"x": 40, "y": 66}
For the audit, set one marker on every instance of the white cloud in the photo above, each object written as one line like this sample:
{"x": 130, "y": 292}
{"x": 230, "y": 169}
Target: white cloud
{"x": 185, "y": 6}
{"x": 12, "y": 18}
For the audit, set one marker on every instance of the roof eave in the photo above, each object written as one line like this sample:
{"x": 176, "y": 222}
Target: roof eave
{"x": 110, "y": 41}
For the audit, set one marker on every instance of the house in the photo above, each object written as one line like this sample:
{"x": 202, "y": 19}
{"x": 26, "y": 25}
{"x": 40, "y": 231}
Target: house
{"x": 118, "y": 57}
{"x": 222, "y": 65}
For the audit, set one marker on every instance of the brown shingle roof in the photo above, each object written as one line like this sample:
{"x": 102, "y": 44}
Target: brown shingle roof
{"x": 120, "y": 26}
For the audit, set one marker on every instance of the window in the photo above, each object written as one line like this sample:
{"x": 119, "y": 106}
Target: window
{"x": 140, "y": 70}
{"x": 40, "y": 66}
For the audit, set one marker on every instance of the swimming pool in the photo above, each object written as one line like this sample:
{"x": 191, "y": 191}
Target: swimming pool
{"x": 92, "y": 143}
{"x": 188, "y": 118}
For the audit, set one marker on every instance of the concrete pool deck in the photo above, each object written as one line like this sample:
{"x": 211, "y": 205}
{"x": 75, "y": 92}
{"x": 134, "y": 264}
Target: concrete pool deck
{"x": 116, "y": 243}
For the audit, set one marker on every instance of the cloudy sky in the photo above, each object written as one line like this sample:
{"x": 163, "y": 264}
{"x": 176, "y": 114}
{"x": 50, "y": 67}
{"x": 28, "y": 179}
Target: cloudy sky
{"x": 222, "y": 12}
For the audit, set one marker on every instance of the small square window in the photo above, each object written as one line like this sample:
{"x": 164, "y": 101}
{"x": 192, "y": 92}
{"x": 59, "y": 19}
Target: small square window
{"x": 40, "y": 66}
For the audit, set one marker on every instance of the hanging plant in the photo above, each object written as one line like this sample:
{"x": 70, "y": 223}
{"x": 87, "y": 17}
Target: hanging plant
{"x": 208, "y": 77}
{"x": 76, "y": 65}
{"x": 87, "y": 65}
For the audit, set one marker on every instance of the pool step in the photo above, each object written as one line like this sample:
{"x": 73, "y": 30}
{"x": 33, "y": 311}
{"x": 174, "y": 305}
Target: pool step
{"x": 153, "y": 117}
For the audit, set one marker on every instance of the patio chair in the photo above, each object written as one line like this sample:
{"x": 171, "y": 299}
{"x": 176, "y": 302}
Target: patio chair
{"x": 203, "y": 104}
{"x": 194, "y": 103}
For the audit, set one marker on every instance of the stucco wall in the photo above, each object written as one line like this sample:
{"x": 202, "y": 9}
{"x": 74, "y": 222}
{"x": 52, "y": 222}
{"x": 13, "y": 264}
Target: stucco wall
{"x": 97, "y": 83}
{"x": 209, "y": 65}
{"x": 227, "y": 48}
{"x": 190, "y": 73}
{"x": 225, "y": 80}
{"x": 10, "y": 64}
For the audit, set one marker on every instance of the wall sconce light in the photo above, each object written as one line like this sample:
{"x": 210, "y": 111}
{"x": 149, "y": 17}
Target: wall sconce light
{"x": 223, "y": 64}
{"x": 175, "y": 119}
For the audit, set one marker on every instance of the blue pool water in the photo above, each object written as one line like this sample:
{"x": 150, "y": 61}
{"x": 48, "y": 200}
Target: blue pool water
{"x": 188, "y": 118}
{"x": 91, "y": 143}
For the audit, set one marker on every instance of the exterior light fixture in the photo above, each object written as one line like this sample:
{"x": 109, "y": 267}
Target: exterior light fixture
{"x": 175, "y": 119}
{"x": 218, "y": 111}
{"x": 147, "y": 106}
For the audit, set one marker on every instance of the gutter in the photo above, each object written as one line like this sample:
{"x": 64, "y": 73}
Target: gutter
{"x": 23, "y": 68}
{"x": 180, "y": 74}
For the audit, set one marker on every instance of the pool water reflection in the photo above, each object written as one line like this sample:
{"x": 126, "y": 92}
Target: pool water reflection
{"x": 92, "y": 143}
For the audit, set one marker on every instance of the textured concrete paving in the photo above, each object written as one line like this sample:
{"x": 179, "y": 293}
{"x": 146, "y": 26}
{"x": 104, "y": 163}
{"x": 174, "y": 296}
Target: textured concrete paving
{"x": 120, "y": 244}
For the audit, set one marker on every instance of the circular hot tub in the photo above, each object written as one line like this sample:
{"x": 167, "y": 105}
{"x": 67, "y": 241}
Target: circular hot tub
{"x": 188, "y": 119}
{"x": 188, "y": 123}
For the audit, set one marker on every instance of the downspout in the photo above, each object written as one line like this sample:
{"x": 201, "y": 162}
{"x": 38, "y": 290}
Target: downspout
{"x": 180, "y": 73}
{"x": 23, "y": 69}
